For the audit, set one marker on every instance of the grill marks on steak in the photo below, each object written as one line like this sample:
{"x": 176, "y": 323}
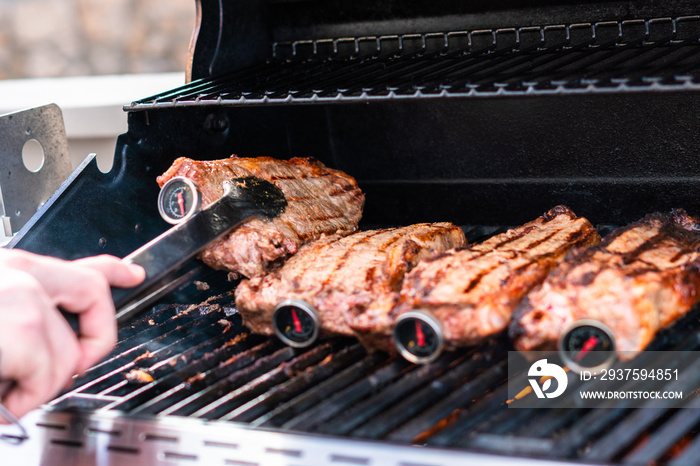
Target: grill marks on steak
{"x": 321, "y": 201}
{"x": 638, "y": 280}
{"x": 473, "y": 291}
{"x": 345, "y": 277}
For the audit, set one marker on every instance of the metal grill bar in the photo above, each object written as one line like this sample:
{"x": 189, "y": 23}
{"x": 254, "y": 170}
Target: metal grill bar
{"x": 273, "y": 398}
{"x": 573, "y": 69}
{"x": 261, "y": 384}
{"x": 171, "y": 319}
{"x": 362, "y": 411}
{"x": 308, "y": 399}
{"x": 520, "y": 446}
{"x": 344, "y": 399}
{"x": 107, "y": 438}
{"x": 627, "y": 431}
{"x": 601, "y": 421}
{"x": 550, "y": 423}
{"x": 243, "y": 370}
{"x": 462, "y": 421}
{"x": 672, "y": 432}
{"x": 430, "y": 394}
{"x": 452, "y": 404}
{"x": 689, "y": 456}
{"x": 509, "y": 67}
{"x": 108, "y": 377}
{"x": 672, "y": 60}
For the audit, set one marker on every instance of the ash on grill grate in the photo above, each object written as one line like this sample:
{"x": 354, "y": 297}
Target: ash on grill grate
{"x": 172, "y": 338}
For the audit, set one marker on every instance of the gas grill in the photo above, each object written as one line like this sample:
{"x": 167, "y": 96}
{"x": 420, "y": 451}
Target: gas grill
{"x": 484, "y": 114}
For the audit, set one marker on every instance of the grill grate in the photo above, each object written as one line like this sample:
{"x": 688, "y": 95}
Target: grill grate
{"x": 634, "y": 55}
{"x": 334, "y": 388}
{"x": 204, "y": 364}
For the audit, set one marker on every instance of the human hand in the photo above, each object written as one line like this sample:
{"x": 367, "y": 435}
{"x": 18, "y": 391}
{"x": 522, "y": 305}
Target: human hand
{"x": 38, "y": 349}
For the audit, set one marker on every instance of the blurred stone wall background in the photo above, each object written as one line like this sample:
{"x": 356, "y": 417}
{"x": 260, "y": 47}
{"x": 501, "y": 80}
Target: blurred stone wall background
{"x": 49, "y": 38}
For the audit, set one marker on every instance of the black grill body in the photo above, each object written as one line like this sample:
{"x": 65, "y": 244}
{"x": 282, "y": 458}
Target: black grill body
{"x": 485, "y": 114}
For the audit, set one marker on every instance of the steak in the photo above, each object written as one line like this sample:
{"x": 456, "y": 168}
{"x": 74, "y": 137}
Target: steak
{"x": 638, "y": 280}
{"x": 345, "y": 276}
{"x": 473, "y": 291}
{"x": 320, "y": 201}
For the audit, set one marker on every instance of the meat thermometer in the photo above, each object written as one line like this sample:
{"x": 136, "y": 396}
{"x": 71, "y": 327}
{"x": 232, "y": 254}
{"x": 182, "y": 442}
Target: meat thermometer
{"x": 587, "y": 345}
{"x": 194, "y": 228}
{"x": 418, "y": 336}
{"x": 296, "y": 323}
{"x": 179, "y": 199}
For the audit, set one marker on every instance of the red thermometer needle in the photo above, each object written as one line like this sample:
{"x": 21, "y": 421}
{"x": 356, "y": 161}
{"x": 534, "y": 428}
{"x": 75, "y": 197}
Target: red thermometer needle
{"x": 181, "y": 203}
{"x": 419, "y": 334}
{"x": 297, "y": 323}
{"x": 589, "y": 345}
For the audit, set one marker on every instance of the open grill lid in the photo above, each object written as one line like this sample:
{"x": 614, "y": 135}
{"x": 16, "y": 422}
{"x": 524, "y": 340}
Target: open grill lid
{"x": 235, "y": 35}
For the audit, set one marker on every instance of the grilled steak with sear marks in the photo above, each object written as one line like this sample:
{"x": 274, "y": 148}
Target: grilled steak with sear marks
{"x": 473, "y": 291}
{"x": 320, "y": 201}
{"x": 638, "y": 280}
{"x": 345, "y": 276}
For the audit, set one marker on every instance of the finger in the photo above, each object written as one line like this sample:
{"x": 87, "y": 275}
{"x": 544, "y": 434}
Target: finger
{"x": 40, "y": 352}
{"x": 65, "y": 350}
{"x": 117, "y": 272}
{"x": 82, "y": 287}
{"x": 97, "y": 334}
{"x": 94, "y": 348}
{"x": 32, "y": 386}
{"x": 51, "y": 365}
{"x": 53, "y": 273}
{"x": 84, "y": 291}
{"x": 25, "y": 355}
{"x": 28, "y": 395}
{"x": 98, "y": 326}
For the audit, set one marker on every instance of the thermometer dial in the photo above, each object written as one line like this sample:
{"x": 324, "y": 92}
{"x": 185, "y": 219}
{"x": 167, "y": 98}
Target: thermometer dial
{"x": 587, "y": 345}
{"x": 296, "y": 323}
{"x": 178, "y": 200}
{"x": 418, "y": 336}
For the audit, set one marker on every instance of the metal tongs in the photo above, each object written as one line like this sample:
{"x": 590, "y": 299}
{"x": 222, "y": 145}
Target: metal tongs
{"x": 163, "y": 257}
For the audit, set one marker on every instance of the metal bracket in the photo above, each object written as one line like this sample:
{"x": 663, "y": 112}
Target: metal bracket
{"x": 23, "y": 190}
